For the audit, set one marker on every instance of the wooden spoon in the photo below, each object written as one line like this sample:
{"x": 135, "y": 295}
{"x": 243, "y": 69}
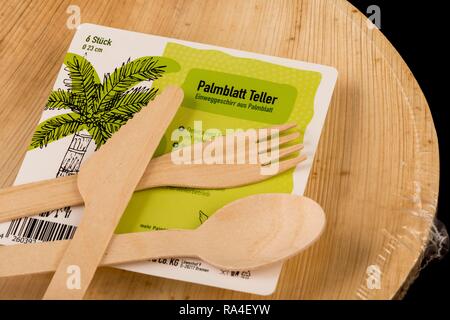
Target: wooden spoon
{"x": 246, "y": 234}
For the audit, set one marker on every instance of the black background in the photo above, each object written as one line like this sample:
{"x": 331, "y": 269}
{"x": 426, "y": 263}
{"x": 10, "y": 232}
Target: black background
{"x": 419, "y": 31}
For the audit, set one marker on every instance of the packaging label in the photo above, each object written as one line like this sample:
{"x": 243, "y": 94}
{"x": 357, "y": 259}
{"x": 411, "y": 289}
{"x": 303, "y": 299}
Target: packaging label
{"x": 239, "y": 97}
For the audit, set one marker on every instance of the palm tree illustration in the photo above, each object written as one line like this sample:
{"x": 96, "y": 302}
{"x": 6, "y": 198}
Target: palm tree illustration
{"x": 96, "y": 109}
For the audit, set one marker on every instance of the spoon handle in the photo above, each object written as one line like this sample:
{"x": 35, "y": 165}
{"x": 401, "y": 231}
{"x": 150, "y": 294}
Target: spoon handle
{"x": 130, "y": 247}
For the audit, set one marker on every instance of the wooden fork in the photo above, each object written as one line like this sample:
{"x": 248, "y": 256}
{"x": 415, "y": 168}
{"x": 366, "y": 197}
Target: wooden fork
{"x": 32, "y": 198}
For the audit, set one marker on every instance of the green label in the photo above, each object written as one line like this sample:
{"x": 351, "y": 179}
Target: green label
{"x": 238, "y": 96}
{"x": 295, "y": 89}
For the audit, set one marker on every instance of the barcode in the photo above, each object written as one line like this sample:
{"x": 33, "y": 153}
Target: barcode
{"x": 38, "y": 229}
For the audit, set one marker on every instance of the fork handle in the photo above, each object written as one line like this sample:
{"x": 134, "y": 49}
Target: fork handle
{"x": 46, "y": 195}
{"x": 33, "y": 198}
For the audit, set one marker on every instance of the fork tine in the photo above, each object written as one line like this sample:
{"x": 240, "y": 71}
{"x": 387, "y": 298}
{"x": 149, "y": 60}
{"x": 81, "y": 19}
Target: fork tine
{"x": 283, "y": 152}
{"x": 282, "y": 140}
{"x": 281, "y": 128}
{"x": 289, "y": 150}
{"x": 288, "y": 138}
{"x": 285, "y": 165}
{"x": 290, "y": 163}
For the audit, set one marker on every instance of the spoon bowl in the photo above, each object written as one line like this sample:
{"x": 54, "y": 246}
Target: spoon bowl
{"x": 259, "y": 230}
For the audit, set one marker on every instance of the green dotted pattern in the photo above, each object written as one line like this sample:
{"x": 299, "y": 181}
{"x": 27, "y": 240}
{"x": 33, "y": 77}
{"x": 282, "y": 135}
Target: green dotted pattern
{"x": 179, "y": 208}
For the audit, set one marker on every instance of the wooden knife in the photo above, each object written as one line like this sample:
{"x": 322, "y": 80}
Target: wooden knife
{"x": 106, "y": 182}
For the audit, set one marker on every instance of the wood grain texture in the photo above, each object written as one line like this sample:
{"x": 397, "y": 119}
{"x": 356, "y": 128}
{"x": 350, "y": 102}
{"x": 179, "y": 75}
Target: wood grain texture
{"x": 376, "y": 171}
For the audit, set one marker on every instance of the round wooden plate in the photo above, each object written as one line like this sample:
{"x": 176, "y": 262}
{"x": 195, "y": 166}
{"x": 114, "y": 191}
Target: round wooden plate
{"x": 376, "y": 172}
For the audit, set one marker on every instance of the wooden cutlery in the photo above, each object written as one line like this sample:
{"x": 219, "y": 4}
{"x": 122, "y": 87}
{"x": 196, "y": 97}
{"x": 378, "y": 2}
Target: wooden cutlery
{"x": 245, "y": 234}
